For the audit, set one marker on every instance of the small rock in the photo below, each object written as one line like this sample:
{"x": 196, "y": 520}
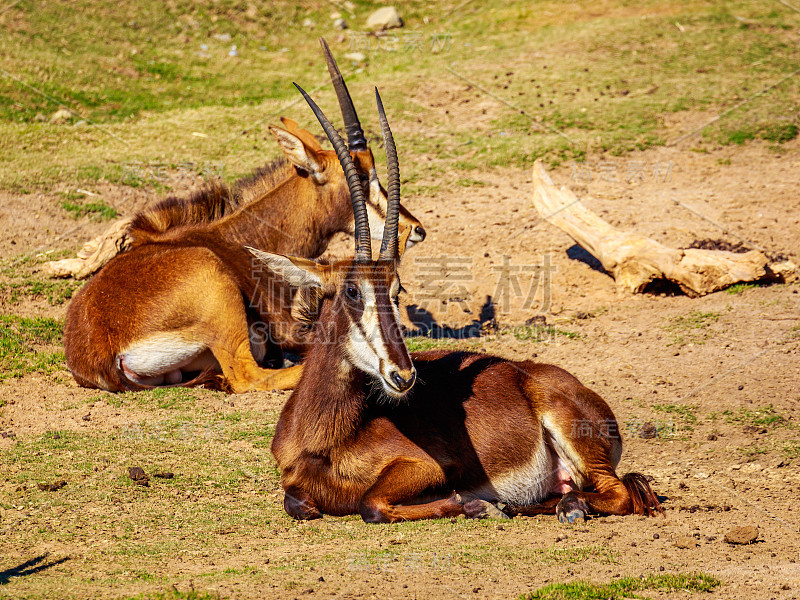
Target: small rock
{"x": 138, "y": 476}
{"x": 87, "y": 417}
{"x": 742, "y": 535}
{"x": 52, "y": 487}
{"x": 752, "y": 429}
{"x": 752, "y": 467}
{"x": 222, "y": 37}
{"x": 40, "y": 118}
{"x": 712, "y": 437}
{"x": 356, "y": 57}
{"x": 656, "y": 536}
{"x": 308, "y": 23}
{"x": 648, "y": 431}
{"x": 340, "y": 24}
{"x": 233, "y": 51}
{"x": 164, "y": 475}
{"x": 336, "y": 15}
{"x": 385, "y": 18}
{"x": 62, "y": 115}
{"x": 686, "y": 542}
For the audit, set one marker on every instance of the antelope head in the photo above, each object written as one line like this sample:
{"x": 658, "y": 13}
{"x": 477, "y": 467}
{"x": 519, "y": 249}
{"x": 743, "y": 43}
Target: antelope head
{"x": 304, "y": 152}
{"x": 357, "y": 300}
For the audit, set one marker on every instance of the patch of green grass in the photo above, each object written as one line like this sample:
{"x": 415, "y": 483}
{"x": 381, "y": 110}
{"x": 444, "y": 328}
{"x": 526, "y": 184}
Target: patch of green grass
{"x": 738, "y": 136}
{"x": 625, "y": 587}
{"x": 579, "y": 554}
{"x": 97, "y": 210}
{"x": 470, "y": 182}
{"x": 169, "y": 398}
{"x": 26, "y": 345}
{"x": 56, "y": 291}
{"x": 174, "y": 594}
{"x": 791, "y": 449}
{"x": 692, "y": 327}
{"x": 665, "y": 430}
{"x": 751, "y": 452}
{"x": 421, "y": 343}
{"x": 780, "y": 133}
{"x": 738, "y": 288}
{"x": 169, "y": 74}
{"x": 684, "y": 412}
{"x": 540, "y": 333}
{"x": 766, "y": 416}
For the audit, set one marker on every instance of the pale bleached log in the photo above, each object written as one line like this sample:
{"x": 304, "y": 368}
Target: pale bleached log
{"x": 94, "y": 253}
{"x": 634, "y": 260}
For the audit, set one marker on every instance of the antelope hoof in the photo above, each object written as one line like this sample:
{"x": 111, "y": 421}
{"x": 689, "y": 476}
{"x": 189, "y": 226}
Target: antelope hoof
{"x": 572, "y": 508}
{"x": 480, "y": 509}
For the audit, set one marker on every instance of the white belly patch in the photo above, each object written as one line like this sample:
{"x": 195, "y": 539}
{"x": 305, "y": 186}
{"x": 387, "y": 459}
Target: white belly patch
{"x": 160, "y": 354}
{"x": 529, "y": 483}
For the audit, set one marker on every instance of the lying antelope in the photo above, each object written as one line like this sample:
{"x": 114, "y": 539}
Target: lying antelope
{"x": 357, "y": 436}
{"x": 177, "y": 308}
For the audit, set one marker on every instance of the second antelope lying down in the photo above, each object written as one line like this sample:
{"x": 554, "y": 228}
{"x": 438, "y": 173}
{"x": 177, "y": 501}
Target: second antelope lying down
{"x": 358, "y": 436}
{"x": 186, "y": 300}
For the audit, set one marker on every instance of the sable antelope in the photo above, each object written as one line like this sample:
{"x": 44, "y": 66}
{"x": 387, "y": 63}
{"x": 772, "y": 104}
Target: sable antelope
{"x": 358, "y": 436}
{"x": 182, "y": 300}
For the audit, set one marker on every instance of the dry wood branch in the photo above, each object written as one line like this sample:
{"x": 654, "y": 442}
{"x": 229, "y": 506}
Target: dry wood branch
{"x": 635, "y": 260}
{"x": 94, "y": 253}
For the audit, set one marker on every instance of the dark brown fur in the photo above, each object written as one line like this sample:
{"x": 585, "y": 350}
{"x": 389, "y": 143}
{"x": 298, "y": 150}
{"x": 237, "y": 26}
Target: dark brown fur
{"x": 469, "y": 423}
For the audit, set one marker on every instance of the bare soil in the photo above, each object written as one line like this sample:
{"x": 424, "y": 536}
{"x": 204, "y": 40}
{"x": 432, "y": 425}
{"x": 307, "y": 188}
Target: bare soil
{"x": 709, "y": 388}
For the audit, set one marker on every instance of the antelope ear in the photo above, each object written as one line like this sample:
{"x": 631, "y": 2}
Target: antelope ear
{"x": 299, "y": 153}
{"x": 299, "y": 272}
{"x": 308, "y": 138}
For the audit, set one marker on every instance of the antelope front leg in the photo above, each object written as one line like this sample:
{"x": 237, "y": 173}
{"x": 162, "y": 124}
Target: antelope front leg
{"x": 243, "y": 373}
{"x": 403, "y": 481}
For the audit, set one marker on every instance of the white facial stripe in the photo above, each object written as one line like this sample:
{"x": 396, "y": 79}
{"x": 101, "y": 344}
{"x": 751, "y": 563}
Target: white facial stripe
{"x": 366, "y": 346}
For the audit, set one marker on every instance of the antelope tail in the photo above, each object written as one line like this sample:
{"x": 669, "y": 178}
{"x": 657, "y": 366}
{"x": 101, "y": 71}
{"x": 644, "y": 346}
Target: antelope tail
{"x": 645, "y": 501}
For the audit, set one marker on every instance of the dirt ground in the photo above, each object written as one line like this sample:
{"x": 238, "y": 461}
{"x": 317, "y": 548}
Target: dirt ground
{"x": 715, "y": 380}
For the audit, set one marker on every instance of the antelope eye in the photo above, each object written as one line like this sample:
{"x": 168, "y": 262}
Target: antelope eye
{"x": 352, "y": 292}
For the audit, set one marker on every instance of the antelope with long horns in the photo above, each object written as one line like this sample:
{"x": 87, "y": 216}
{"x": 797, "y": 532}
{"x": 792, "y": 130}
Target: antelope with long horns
{"x": 358, "y": 436}
{"x": 184, "y": 306}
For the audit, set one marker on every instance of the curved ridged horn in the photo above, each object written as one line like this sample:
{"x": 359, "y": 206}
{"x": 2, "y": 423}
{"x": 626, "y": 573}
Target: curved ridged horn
{"x": 363, "y": 244}
{"x": 355, "y": 135}
{"x": 389, "y": 242}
